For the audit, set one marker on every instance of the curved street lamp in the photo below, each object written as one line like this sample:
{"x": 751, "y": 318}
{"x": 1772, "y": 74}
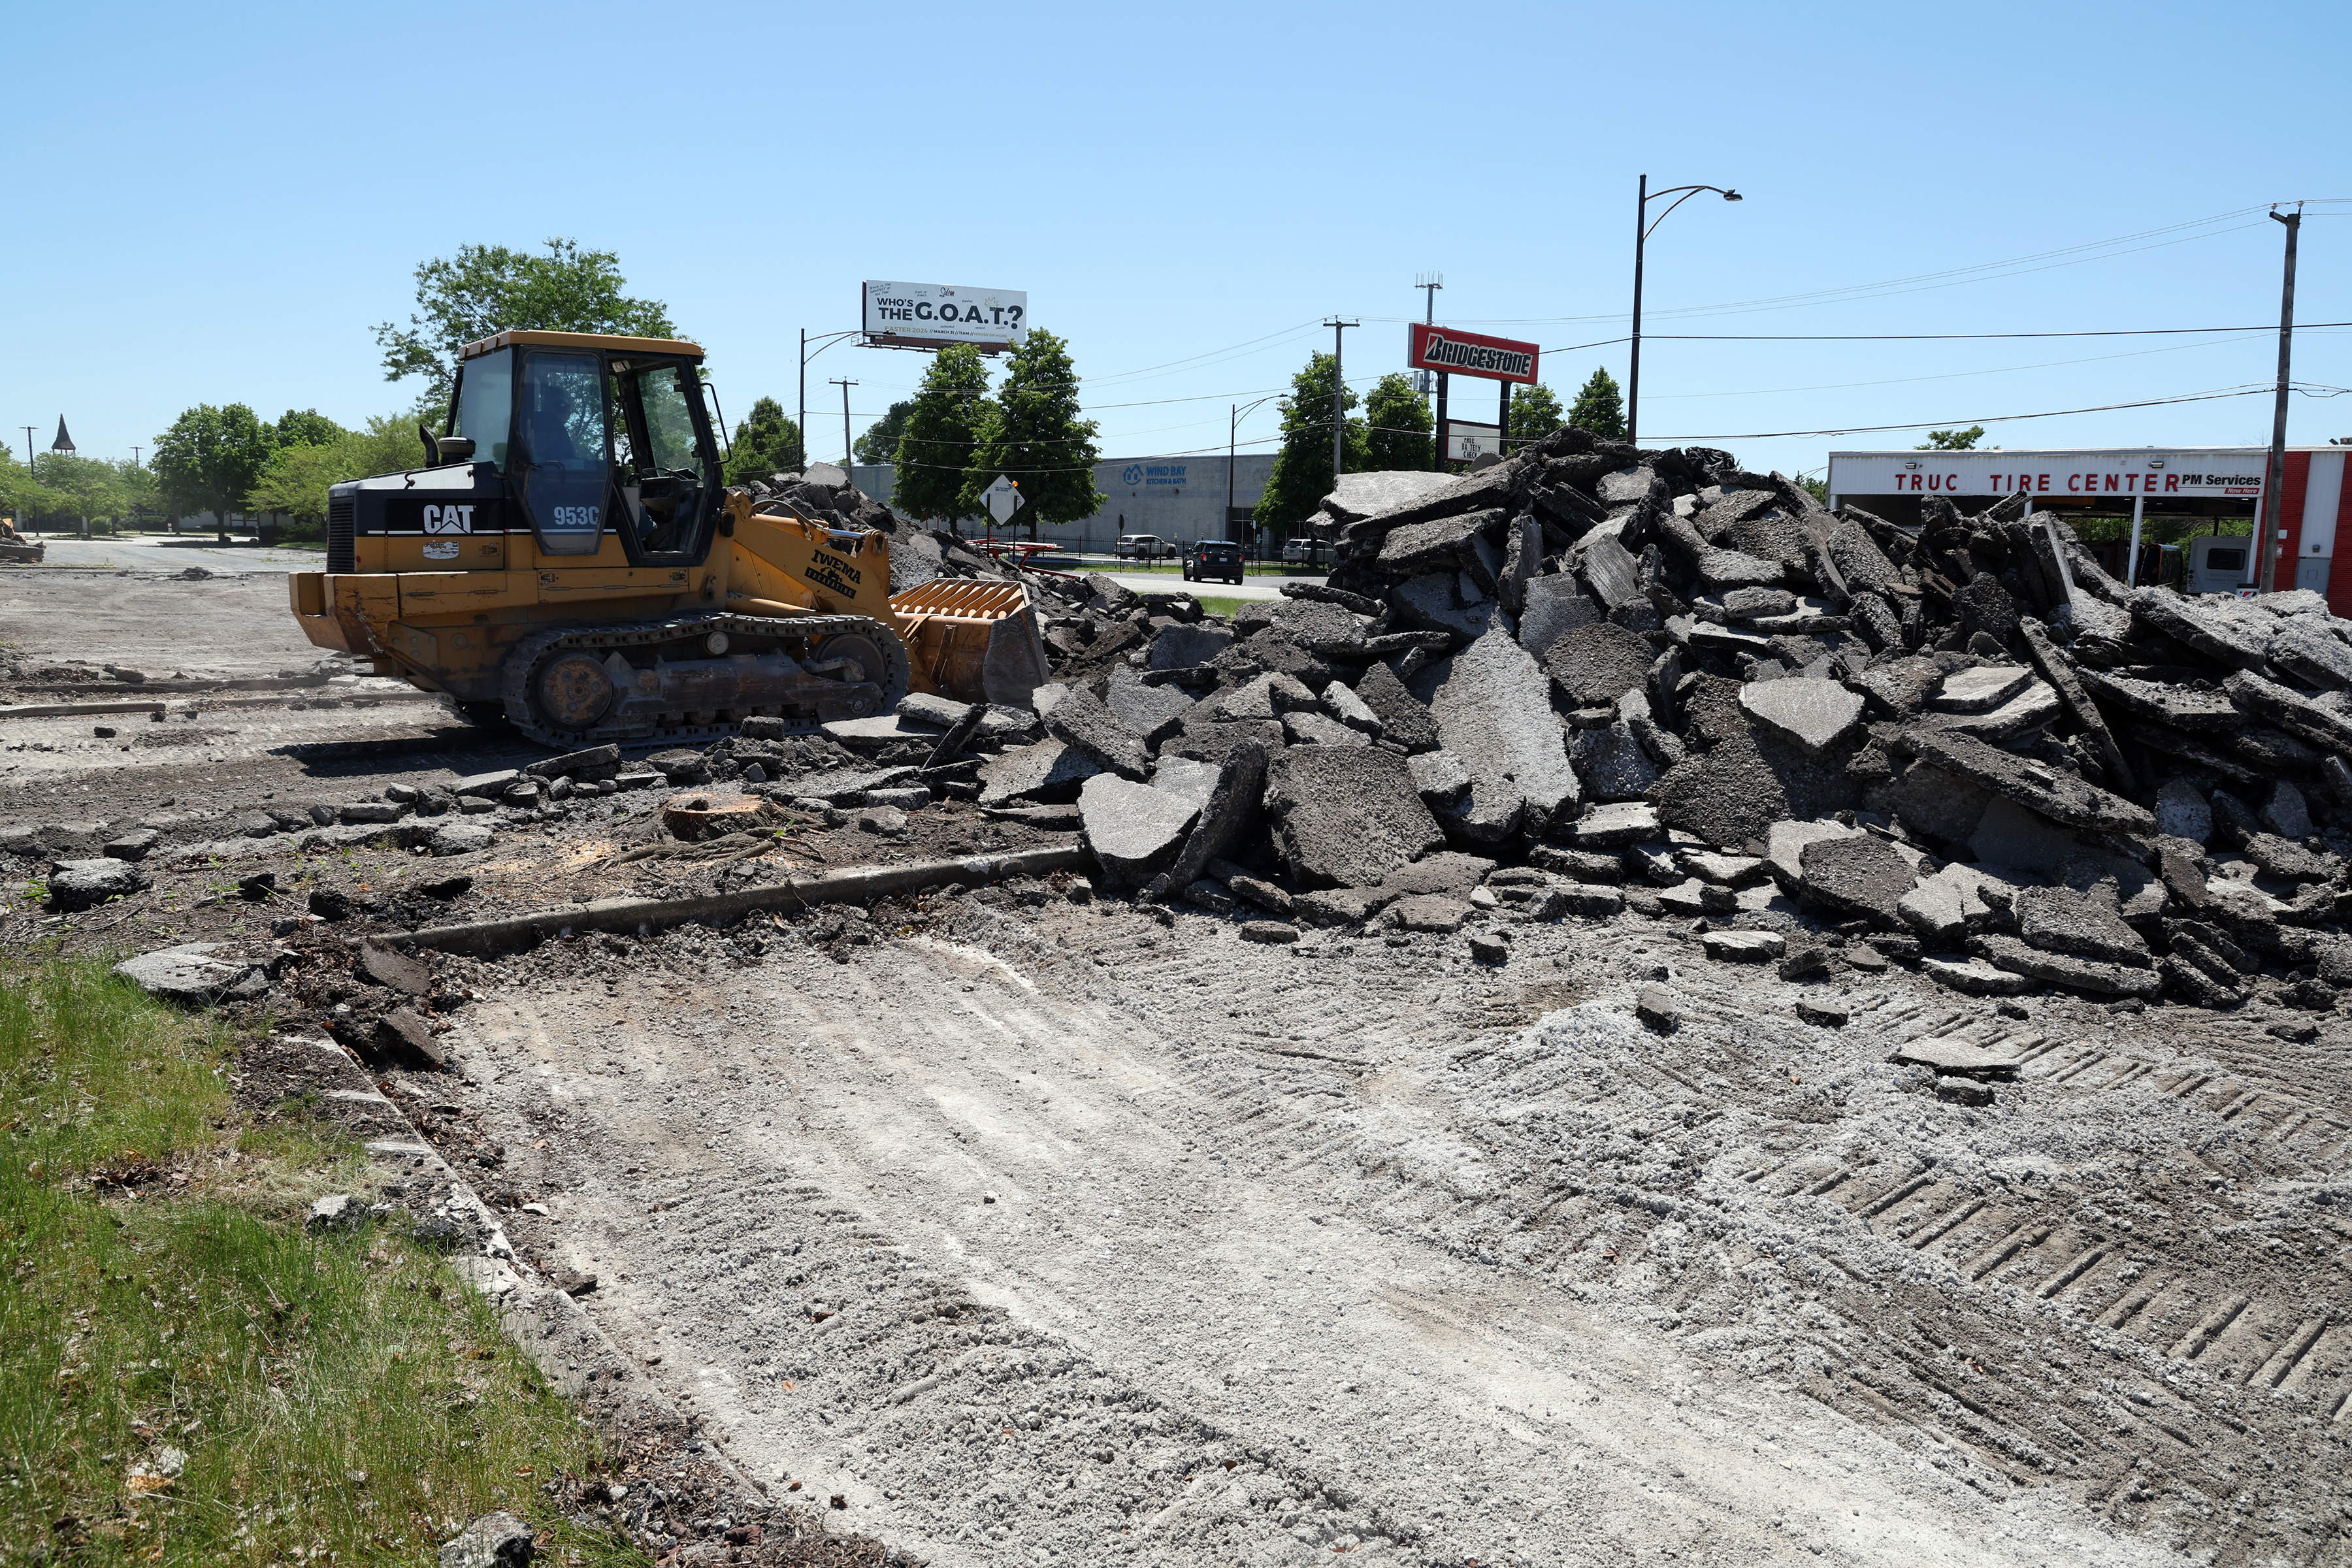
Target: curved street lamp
{"x": 1643, "y": 223}
{"x": 1233, "y": 431}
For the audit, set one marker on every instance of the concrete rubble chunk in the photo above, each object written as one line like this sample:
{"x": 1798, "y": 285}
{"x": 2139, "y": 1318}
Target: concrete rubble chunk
{"x": 402, "y": 1035}
{"x": 1442, "y": 542}
{"x": 1785, "y": 845}
{"x": 1154, "y": 712}
{"x": 1347, "y": 816}
{"x": 1946, "y": 907}
{"x": 1863, "y": 874}
{"x": 2061, "y": 920}
{"x": 1229, "y": 810}
{"x": 1816, "y": 714}
{"x": 402, "y": 972}
{"x": 1441, "y": 777}
{"x": 593, "y": 763}
{"x": 1342, "y": 704}
{"x": 1744, "y": 946}
{"x": 2310, "y": 653}
{"x": 2183, "y": 811}
{"x": 1611, "y": 572}
{"x": 1371, "y": 495}
{"x": 1306, "y": 728}
{"x": 1615, "y": 826}
{"x": 1183, "y": 647}
{"x": 1132, "y": 830}
{"x": 1083, "y": 723}
{"x": 1595, "y": 664}
{"x": 2287, "y": 813}
{"x": 488, "y": 785}
{"x": 1902, "y": 686}
{"x": 501, "y": 1540}
{"x": 459, "y": 839}
{"x": 1655, "y": 1005}
{"x": 1974, "y": 976}
{"x": 188, "y": 975}
{"x": 1435, "y": 912}
{"x": 1270, "y": 696}
{"x": 1045, "y": 772}
{"x": 2060, "y": 969}
{"x": 1611, "y": 763}
{"x": 1434, "y": 600}
{"x": 2223, "y": 638}
{"x": 75, "y": 885}
{"x": 1493, "y": 707}
{"x": 1550, "y": 606}
{"x": 1958, "y": 1058}
{"x": 2063, "y": 798}
{"x": 1404, "y": 717}
{"x": 1980, "y": 690}
{"x": 2323, "y": 726}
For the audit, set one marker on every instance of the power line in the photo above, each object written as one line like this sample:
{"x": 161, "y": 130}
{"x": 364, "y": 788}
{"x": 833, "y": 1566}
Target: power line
{"x": 1984, "y": 419}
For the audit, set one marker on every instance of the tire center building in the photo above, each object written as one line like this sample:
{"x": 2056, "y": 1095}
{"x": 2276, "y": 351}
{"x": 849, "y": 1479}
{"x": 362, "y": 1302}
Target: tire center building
{"x": 2212, "y": 493}
{"x": 1181, "y": 500}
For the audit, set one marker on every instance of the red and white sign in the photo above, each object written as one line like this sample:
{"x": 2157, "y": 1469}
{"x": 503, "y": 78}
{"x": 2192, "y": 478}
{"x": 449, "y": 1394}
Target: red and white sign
{"x": 1469, "y": 354}
{"x": 2209, "y": 471}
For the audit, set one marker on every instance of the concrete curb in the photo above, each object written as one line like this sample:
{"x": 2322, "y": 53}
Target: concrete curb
{"x": 631, "y": 914}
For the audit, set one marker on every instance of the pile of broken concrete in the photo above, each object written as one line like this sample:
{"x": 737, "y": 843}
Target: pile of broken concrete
{"x": 1590, "y": 677}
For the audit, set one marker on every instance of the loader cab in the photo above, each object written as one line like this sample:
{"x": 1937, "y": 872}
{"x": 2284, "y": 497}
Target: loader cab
{"x": 593, "y": 434}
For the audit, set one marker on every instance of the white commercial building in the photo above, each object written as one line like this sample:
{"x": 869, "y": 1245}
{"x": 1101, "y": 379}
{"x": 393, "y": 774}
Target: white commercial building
{"x": 1181, "y": 500}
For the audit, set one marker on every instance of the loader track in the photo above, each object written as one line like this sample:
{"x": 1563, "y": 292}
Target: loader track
{"x": 530, "y": 654}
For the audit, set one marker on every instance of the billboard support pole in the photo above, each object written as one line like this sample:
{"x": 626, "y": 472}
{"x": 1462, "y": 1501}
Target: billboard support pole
{"x": 847, "y": 454}
{"x": 2274, "y": 473}
{"x": 2131, "y": 566}
{"x": 1441, "y": 454}
{"x": 1503, "y": 421}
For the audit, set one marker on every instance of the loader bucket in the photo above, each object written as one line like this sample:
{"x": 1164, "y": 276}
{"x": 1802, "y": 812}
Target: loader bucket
{"x": 973, "y": 639}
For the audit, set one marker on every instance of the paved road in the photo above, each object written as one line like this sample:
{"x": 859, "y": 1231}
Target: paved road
{"x": 1169, "y": 582}
{"x": 165, "y": 552}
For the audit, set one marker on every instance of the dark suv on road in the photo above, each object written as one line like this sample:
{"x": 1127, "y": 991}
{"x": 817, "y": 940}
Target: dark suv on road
{"x": 1217, "y": 558}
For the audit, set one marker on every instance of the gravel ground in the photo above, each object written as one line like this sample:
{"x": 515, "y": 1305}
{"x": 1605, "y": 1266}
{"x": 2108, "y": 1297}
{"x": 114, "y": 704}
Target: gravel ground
{"x": 1040, "y": 1230}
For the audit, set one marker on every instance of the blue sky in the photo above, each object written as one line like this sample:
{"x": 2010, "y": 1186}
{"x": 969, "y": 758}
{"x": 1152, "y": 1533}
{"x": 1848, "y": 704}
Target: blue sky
{"x": 217, "y": 204}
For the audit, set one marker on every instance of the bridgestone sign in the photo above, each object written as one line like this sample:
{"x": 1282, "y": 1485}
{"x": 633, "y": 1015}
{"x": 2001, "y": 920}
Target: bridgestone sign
{"x": 933, "y": 315}
{"x": 1468, "y": 353}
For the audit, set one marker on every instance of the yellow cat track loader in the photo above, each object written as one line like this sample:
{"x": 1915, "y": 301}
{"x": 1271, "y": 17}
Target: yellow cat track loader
{"x": 570, "y": 561}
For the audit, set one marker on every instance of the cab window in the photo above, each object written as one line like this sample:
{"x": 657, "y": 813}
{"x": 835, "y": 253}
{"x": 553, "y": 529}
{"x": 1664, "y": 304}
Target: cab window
{"x": 485, "y": 403}
{"x": 668, "y": 480}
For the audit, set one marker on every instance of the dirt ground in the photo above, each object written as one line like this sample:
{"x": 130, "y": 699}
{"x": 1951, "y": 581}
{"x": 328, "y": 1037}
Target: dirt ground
{"x": 1038, "y": 1228}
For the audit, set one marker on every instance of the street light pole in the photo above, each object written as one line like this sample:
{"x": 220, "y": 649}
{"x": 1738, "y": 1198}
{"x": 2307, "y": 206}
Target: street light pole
{"x": 823, "y": 343}
{"x": 1430, "y": 283}
{"x": 1338, "y": 396}
{"x": 2274, "y": 474}
{"x": 1643, "y": 228}
{"x": 1232, "y": 447}
{"x": 846, "y": 454}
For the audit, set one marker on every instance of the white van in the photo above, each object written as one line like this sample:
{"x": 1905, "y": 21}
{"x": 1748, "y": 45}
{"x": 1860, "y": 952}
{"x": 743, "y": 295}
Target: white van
{"x": 1144, "y": 547}
{"x": 2220, "y": 562}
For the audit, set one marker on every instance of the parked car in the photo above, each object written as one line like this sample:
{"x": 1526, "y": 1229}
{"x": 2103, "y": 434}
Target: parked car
{"x": 1218, "y": 559}
{"x": 1144, "y": 547}
{"x": 1305, "y": 552}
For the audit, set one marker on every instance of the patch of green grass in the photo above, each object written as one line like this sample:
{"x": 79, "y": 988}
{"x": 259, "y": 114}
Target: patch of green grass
{"x": 185, "y": 1375}
{"x": 1219, "y": 605}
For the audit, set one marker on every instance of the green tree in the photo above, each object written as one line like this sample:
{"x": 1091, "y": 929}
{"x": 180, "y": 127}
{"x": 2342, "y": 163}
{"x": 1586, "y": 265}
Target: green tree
{"x": 209, "y": 459}
{"x": 1032, "y": 433}
{"x": 1535, "y": 413}
{"x": 79, "y": 490}
{"x": 1952, "y": 440}
{"x": 1302, "y": 467}
{"x": 1599, "y": 407}
{"x": 937, "y": 439}
{"x": 294, "y": 480}
{"x": 387, "y": 444}
{"x": 765, "y": 443}
{"x": 1396, "y": 425}
{"x": 878, "y": 442}
{"x": 22, "y": 496}
{"x": 306, "y": 427}
{"x": 488, "y": 288}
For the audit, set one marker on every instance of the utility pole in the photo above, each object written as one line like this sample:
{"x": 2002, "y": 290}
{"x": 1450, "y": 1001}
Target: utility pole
{"x": 1338, "y": 396}
{"x": 1429, "y": 283}
{"x": 2275, "y": 476}
{"x": 134, "y": 457}
{"x": 846, "y": 455}
{"x": 802, "y": 415}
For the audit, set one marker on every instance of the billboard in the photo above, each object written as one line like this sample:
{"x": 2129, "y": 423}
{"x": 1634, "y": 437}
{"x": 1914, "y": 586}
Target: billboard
{"x": 933, "y": 315}
{"x": 1470, "y": 353}
{"x": 2132, "y": 471}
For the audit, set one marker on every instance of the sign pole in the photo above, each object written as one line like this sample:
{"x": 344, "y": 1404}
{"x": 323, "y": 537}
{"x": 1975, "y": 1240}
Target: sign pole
{"x": 1441, "y": 454}
{"x": 1339, "y": 398}
{"x": 1502, "y": 422}
{"x": 2274, "y": 474}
